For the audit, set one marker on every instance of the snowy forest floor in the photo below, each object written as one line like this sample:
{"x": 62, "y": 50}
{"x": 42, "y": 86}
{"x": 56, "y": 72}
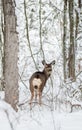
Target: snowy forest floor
{"x": 39, "y": 118}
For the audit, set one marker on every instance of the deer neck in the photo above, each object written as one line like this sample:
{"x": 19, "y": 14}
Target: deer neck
{"x": 47, "y": 74}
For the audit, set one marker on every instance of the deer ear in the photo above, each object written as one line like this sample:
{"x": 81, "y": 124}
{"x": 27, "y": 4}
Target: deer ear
{"x": 43, "y": 62}
{"x": 53, "y": 62}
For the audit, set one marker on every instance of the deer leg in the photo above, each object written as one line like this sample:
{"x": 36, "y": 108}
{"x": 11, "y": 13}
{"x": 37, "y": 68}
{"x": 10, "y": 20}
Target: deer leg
{"x": 36, "y": 96}
{"x": 32, "y": 95}
{"x": 40, "y": 94}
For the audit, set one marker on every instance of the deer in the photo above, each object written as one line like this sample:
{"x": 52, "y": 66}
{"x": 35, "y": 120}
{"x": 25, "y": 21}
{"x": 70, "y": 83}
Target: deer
{"x": 38, "y": 81}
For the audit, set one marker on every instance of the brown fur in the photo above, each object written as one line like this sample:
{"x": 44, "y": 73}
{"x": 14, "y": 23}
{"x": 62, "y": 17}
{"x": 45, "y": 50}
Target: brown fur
{"x": 38, "y": 81}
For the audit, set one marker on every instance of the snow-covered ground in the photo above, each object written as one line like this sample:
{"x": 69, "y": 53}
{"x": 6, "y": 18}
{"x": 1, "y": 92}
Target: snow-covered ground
{"x": 8, "y": 117}
{"x": 52, "y": 121}
{"x": 39, "y": 118}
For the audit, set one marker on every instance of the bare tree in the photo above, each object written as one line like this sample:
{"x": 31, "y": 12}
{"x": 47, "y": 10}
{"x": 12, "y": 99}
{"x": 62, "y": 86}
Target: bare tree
{"x": 11, "y": 53}
{"x": 27, "y": 33}
{"x": 1, "y": 48}
{"x": 65, "y": 36}
{"x": 71, "y": 55}
{"x": 77, "y": 16}
{"x": 69, "y": 41}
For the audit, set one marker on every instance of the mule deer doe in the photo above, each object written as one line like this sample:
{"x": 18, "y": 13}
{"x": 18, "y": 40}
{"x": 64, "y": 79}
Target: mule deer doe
{"x": 38, "y": 81}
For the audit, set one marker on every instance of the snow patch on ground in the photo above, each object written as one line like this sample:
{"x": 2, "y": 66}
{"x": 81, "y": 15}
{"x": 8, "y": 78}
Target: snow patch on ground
{"x": 39, "y": 118}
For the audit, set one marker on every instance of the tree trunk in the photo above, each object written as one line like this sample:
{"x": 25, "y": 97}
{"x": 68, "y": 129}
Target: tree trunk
{"x": 64, "y": 38}
{"x": 77, "y": 21}
{"x": 71, "y": 61}
{"x": 68, "y": 41}
{"x": 11, "y": 54}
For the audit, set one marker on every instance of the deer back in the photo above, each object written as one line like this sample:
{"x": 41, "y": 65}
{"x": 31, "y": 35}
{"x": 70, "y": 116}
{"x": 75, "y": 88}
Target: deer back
{"x": 38, "y": 79}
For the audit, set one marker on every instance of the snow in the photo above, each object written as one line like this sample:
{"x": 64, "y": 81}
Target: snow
{"x": 40, "y": 118}
{"x": 52, "y": 120}
{"x": 72, "y": 121}
{"x": 4, "y": 122}
{"x": 8, "y": 117}
{"x": 54, "y": 115}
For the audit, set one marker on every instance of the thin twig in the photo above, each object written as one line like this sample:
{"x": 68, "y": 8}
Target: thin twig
{"x": 26, "y": 18}
{"x": 40, "y": 31}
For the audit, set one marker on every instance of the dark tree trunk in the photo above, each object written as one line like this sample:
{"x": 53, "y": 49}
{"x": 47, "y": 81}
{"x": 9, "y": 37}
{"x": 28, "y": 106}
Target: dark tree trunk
{"x": 71, "y": 61}
{"x": 64, "y": 38}
{"x": 68, "y": 41}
